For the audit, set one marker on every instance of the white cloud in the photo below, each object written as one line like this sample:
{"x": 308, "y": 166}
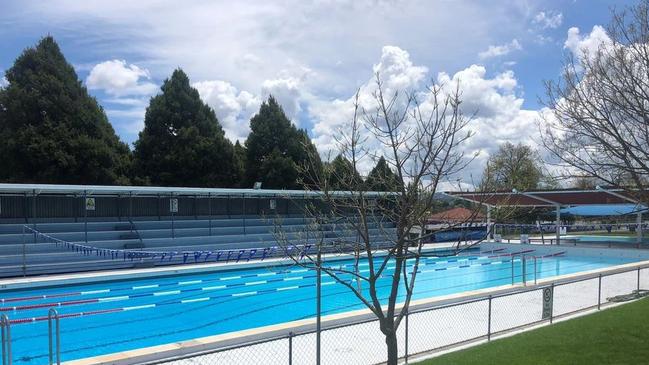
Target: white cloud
{"x": 549, "y": 19}
{"x": 3, "y": 81}
{"x": 118, "y": 78}
{"x": 234, "y": 108}
{"x": 287, "y": 92}
{"x": 499, "y": 115}
{"x": 586, "y": 46}
{"x": 501, "y": 50}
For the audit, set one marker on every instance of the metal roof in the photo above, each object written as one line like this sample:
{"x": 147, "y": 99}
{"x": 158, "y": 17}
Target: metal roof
{"x": 157, "y": 190}
{"x": 549, "y": 198}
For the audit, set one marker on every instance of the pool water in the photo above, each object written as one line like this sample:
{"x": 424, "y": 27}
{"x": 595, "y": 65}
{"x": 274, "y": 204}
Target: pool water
{"x": 108, "y": 317}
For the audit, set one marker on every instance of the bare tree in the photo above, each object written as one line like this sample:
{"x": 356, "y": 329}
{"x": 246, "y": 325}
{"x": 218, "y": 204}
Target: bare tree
{"x": 598, "y": 127}
{"x": 420, "y": 135}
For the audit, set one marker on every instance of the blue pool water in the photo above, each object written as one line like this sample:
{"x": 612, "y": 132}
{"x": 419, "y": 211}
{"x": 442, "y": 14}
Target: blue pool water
{"x": 153, "y": 311}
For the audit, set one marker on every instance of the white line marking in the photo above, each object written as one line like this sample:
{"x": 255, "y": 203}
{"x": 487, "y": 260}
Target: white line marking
{"x": 287, "y": 288}
{"x": 231, "y": 278}
{"x": 214, "y": 287}
{"x": 145, "y": 287}
{"x": 190, "y": 282}
{"x": 95, "y": 291}
{"x": 139, "y": 307}
{"x": 194, "y": 300}
{"x": 172, "y": 292}
{"x": 243, "y": 294}
{"x": 256, "y": 282}
{"x": 113, "y": 299}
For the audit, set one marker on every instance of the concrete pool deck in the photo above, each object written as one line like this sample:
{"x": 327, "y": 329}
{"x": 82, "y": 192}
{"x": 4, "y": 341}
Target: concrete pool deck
{"x": 358, "y": 343}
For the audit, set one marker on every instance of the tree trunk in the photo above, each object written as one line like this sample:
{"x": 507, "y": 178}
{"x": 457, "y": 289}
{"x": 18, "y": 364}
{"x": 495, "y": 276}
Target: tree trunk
{"x": 393, "y": 350}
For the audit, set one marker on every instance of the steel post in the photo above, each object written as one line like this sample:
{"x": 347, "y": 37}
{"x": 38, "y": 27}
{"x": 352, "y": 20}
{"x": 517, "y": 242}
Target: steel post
{"x": 406, "y": 339}
{"x": 5, "y": 329}
{"x": 318, "y": 302}
{"x": 599, "y": 292}
{"x": 55, "y": 352}
{"x": 489, "y": 320}
{"x": 85, "y": 216}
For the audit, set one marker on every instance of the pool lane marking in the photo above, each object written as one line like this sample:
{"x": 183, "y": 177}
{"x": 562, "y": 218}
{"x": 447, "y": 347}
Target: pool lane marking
{"x": 152, "y": 286}
{"x": 140, "y": 287}
{"x": 142, "y": 295}
{"x": 154, "y": 305}
{"x": 176, "y": 292}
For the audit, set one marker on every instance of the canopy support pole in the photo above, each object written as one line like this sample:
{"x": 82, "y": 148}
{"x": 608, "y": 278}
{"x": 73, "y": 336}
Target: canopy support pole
{"x": 558, "y": 225}
{"x": 638, "y": 229}
{"x": 489, "y": 233}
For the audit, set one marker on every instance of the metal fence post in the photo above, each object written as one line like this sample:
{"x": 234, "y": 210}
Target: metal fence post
{"x": 290, "y": 348}
{"x": 489, "y": 320}
{"x": 406, "y": 339}
{"x": 53, "y": 315}
{"x": 523, "y": 270}
{"x": 599, "y": 292}
{"x": 24, "y": 253}
{"x": 5, "y": 328}
{"x": 512, "y": 269}
{"x": 638, "y": 280}
{"x": 552, "y": 308}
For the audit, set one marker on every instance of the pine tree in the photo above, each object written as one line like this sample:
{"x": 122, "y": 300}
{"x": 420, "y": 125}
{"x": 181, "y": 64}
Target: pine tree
{"x": 343, "y": 176}
{"x": 52, "y": 130}
{"x": 182, "y": 143}
{"x": 239, "y": 164}
{"x": 382, "y": 178}
{"x": 273, "y": 137}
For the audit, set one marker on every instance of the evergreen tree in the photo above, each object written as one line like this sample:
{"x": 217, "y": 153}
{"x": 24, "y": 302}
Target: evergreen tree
{"x": 342, "y": 175}
{"x": 381, "y": 178}
{"x": 274, "y": 138}
{"x": 182, "y": 143}
{"x": 239, "y": 164}
{"x": 52, "y": 130}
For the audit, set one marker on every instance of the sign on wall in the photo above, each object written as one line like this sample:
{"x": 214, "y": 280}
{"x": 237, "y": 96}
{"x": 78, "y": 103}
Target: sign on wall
{"x": 548, "y": 298}
{"x": 173, "y": 205}
{"x": 273, "y": 204}
{"x": 90, "y": 204}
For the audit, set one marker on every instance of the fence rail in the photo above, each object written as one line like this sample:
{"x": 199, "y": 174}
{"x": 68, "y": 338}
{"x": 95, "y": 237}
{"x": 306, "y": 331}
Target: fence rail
{"x": 424, "y": 330}
{"x": 433, "y": 329}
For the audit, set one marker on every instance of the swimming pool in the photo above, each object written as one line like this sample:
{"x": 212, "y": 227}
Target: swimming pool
{"x": 114, "y": 316}
{"x": 603, "y": 239}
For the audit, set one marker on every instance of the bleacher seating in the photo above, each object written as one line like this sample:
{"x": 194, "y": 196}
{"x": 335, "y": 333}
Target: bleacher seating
{"x": 26, "y": 254}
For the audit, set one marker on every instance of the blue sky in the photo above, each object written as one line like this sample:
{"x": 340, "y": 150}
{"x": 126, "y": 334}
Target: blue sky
{"x": 311, "y": 55}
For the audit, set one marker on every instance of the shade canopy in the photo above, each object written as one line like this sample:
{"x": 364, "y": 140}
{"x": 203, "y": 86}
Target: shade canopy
{"x": 548, "y": 198}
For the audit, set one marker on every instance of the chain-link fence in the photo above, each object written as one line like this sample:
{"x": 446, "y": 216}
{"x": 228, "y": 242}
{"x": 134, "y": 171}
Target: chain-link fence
{"x": 436, "y": 328}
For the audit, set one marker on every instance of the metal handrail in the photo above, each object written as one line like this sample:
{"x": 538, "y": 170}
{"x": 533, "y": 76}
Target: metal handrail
{"x": 53, "y": 315}
{"x": 133, "y": 227}
{"x": 5, "y": 328}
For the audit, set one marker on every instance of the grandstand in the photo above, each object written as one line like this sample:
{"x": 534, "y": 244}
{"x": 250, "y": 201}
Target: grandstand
{"x": 35, "y": 219}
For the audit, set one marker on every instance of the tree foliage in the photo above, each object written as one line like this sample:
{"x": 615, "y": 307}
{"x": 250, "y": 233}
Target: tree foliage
{"x": 514, "y": 167}
{"x": 52, "y": 130}
{"x": 274, "y": 141}
{"x": 182, "y": 143}
{"x": 598, "y": 126}
{"x": 382, "y": 178}
{"x": 342, "y": 175}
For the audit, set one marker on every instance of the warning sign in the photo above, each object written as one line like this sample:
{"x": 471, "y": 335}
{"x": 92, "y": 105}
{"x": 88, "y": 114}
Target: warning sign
{"x": 173, "y": 205}
{"x": 90, "y": 204}
{"x": 548, "y": 297}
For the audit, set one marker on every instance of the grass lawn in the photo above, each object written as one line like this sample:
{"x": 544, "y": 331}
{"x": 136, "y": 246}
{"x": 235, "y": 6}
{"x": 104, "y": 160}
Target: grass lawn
{"x": 613, "y": 336}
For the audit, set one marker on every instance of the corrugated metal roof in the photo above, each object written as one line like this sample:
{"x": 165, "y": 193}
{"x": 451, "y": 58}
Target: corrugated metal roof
{"x": 549, "y": 198}
{"x": 157, "y": 190}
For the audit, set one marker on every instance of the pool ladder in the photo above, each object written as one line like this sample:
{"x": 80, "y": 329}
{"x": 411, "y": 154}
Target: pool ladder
{"x": 55, "y": 349}
{"x": 5, "y": 328}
